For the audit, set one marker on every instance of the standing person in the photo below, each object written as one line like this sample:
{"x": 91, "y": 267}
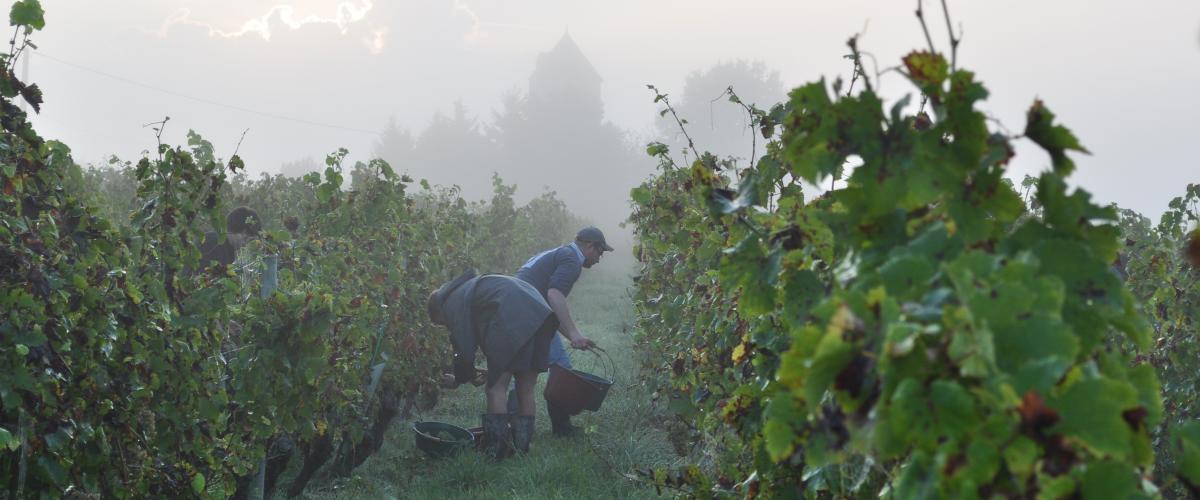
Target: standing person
{"x": 512, "y": 324}
{"x": 553, "y": 273}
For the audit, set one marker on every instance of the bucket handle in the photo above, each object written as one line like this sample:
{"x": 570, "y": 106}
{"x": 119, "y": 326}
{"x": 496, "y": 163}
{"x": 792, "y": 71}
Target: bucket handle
{"x": 605, "y": 362}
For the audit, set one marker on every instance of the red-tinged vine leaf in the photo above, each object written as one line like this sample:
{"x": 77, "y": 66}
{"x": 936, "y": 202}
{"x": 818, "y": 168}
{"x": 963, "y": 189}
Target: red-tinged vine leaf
{"x": 1035, "y": 415}
{"x": 922, "y": 122}
{"x": 999, "y": 150}
{"x": 752, "y": 487}
{"x": 928, "y": 70}
{"x": 1055, "y": 139}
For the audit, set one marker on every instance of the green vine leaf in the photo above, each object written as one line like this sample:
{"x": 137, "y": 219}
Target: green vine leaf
{"x": 1092, "y": 412}
{"x": 1110, "y": 479}
{"x": 1187, "y": 450}
{"x": 198, "y": 484}
{"x": 27, "y": 13}
{"x": 1055, "y": 139}
{"x": 8, "y": 441}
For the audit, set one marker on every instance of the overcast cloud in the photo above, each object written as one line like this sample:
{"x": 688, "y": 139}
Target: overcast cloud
{"x": 1122, "y": 75}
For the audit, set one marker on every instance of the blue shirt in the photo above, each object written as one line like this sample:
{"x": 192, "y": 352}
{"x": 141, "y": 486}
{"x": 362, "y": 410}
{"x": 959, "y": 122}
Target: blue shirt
{"x": 556, "y": 268}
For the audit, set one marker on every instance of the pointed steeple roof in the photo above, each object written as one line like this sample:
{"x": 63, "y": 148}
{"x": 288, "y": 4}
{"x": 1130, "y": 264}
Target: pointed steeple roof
{"x": 566, "y": 56}
{"x": 565, "y": 84}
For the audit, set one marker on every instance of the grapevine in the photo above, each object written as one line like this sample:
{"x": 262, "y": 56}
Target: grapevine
{"x": 919, "y": 332}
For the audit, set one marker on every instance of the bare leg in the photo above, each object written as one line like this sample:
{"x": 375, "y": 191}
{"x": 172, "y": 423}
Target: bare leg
{"x": 522, "y": 423}
{"x": 526, "y": 381}
{"x": 497, "y": 394}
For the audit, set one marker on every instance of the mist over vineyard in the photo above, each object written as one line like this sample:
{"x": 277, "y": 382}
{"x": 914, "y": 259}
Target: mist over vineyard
{"x": 359, "y": 66}
{"x": 921, "y": 250}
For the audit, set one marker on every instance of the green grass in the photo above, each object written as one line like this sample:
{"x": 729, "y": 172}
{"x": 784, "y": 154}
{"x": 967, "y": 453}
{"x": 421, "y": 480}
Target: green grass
{"x": 618, "y": 439}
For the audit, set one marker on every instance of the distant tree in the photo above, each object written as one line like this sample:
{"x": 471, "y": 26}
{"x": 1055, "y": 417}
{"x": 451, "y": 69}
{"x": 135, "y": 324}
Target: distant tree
{"x": 552, "y": 137}
{"x": 555, "y": 136}
{"x": 453, "y": 150}
{"x": 715, "y": 124}
{"x": 395, "y": 146}
{"x": 110, "y": 187}
{"x": 298, "y": 168}
{"x": 511, "y": 120}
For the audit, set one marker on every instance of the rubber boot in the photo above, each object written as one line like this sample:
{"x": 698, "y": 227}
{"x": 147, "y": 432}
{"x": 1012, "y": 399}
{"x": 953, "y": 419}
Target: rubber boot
{"x": 522, "y": 432}
{"x": 560, "y": 420}
{"x": 496, "y": 443}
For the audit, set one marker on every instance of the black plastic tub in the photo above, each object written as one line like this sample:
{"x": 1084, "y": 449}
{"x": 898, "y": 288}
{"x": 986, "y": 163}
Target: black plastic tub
{"x": 438, "y": 439}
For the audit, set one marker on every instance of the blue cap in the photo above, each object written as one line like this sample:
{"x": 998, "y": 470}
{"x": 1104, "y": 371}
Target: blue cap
{"x": 592, "y": 235}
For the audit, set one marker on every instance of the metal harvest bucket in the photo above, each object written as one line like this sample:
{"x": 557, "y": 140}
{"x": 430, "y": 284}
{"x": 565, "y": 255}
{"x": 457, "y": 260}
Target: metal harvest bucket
{"x": 576, "y": 390}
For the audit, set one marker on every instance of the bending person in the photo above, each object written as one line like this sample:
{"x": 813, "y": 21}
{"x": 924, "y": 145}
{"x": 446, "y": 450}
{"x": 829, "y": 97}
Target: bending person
{"x": 512, "y": 324}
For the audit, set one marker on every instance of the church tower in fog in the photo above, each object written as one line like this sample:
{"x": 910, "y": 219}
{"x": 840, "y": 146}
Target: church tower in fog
{"x": 565, "y": 85}
{"x": 555, "y": 136}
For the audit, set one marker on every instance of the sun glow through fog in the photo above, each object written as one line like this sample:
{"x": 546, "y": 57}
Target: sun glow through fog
{"x": 345, "y": 14}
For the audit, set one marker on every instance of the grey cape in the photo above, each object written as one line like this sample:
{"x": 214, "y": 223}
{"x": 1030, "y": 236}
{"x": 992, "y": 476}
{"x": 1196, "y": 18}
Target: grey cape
{"x": 496, "y": 313}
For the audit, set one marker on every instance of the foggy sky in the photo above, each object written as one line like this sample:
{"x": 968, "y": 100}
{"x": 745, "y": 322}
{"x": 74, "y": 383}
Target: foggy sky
{"x": 1122, "y": 75}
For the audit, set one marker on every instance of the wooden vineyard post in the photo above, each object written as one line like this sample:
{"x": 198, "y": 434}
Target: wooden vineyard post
{"x": 270, "y": 281}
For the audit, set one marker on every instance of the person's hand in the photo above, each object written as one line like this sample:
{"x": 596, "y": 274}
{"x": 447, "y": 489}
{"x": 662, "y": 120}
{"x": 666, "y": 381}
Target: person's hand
{"x": 581, "y": 342}
{"x": 447, "y": 381}
{"x": 480, "y": 377}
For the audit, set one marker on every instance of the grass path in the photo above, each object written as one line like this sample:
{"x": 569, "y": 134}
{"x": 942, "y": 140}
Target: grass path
{"x": 618, "y": 438}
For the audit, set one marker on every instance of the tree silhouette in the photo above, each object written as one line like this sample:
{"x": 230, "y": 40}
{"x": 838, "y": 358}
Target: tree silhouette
{"x": 454, "y": 150}
{"x": 395, "y": 145}
{"x": 555, "y": 136}
{"x": 715, "y": 124}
